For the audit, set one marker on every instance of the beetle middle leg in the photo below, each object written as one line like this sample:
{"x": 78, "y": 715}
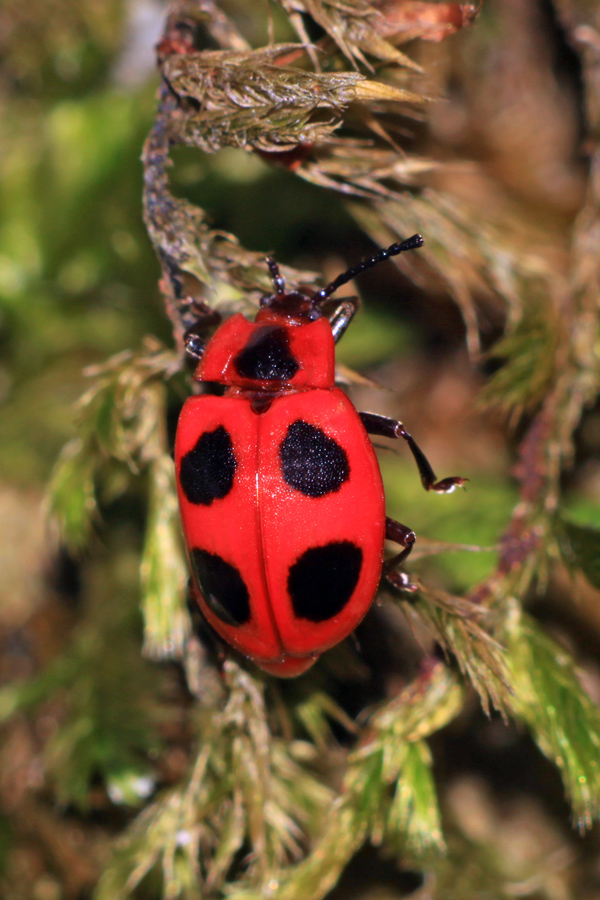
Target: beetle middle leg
{"x": 392, "y": 428}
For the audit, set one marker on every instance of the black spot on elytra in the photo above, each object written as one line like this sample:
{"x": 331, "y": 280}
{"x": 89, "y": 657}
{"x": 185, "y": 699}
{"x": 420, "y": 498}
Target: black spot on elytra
{"x": 311, "y": 462}
{"x": 207, "y": 471}
{"x": 267, "y": 356}
{"x": 222, "y": 587}
{"x": 322, "y": 581}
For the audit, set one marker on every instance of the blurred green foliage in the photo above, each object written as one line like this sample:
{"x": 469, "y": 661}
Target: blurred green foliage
{"x": 77, "y": 279}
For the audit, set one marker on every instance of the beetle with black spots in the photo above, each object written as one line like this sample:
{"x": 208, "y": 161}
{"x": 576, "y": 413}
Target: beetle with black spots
{"x": 281, "y": 497}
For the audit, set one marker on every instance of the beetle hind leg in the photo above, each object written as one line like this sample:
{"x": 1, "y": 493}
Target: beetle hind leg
{"x": 405, "y": 537}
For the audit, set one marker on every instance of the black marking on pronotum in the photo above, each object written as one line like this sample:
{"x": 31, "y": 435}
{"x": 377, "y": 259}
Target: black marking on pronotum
{"x": 323, "y": 579}
{"x": 207, "y": 471}
{"x": 222, "y": 587}
{"x": 312, "y": 462}
{"x": 267, "y": 356}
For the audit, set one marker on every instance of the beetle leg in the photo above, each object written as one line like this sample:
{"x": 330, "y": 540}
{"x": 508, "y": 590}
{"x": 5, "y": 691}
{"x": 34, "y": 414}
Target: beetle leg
{"x": 399, "y": 534}
{"x": 194, "y": 337}
{"x": 194, "y": 345}
{"x": 404, "y": 536}
{"x": 401, "y": 581}
{"x": 343, "y": 314}
{"x": 391, "y": 428}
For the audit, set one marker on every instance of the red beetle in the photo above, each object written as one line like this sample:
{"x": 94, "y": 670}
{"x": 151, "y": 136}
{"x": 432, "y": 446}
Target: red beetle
{"x": 279, "y": 487}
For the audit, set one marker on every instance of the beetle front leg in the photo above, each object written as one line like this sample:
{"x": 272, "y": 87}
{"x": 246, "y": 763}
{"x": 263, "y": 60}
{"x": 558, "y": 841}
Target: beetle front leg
{"x": 400, "y": 534}
{"x": 392, "y": 428}
{"x": 342, "y": 315}
{"x": 205, "y": 319}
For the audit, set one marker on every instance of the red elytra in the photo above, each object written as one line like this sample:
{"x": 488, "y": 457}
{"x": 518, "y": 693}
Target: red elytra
{"x": 281, "y": 497}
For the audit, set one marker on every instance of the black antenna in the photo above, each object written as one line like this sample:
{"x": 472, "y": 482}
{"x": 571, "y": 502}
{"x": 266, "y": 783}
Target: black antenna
{"x": 410, "y": 243}
{"x": 278, "y": 279}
